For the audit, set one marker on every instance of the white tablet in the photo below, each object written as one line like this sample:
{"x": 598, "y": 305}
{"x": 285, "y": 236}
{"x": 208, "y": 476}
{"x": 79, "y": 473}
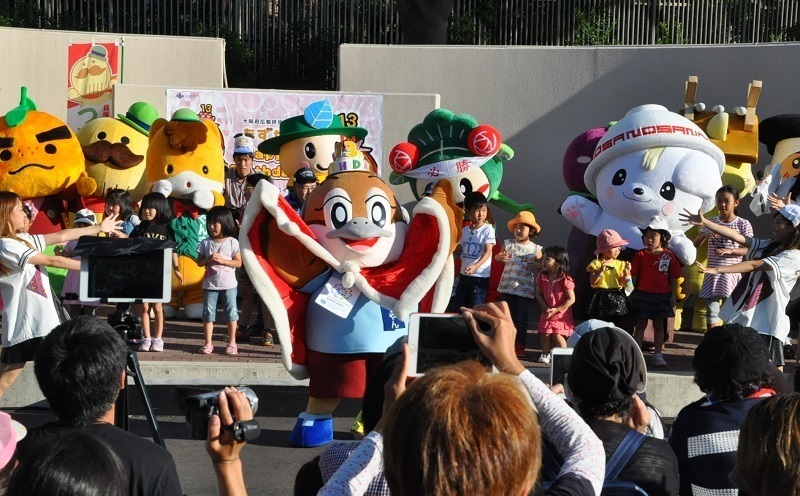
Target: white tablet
{"x": 559, "y": 364}
{"x": 441, "y": 339}
{"x": 127, "y": 278}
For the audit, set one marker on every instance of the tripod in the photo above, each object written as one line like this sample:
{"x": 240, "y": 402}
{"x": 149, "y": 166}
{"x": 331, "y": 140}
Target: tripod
{"x": 126, "y": 323}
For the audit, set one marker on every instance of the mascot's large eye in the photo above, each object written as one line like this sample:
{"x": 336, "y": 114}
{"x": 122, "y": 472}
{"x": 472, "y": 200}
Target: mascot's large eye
{"x": 465, "y": 185}
{"x": 5, "y": 155}
{"x": 169, "y": 169}
{"x": 340, "y": 213}
{"x": 205, "y": 169}
{"x": 667, "y": 191}
{"x": 101, "y": 135}
{"x": 50, "y": 149}
{"x": 125, "y": 140}
{"x": 311, "y": 150}
{"x": 796, "y": 163}
{"x": 619, "y": 177}
{"x": 378, "y": 208}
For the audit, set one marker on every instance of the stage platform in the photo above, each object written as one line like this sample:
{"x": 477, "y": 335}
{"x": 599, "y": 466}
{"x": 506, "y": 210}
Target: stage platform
{"x": 180, "y": 363}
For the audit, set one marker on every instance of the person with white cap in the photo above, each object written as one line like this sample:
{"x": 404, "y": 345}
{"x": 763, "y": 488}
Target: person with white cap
{"x": 655, "y": 271}
{"x": 236, "y": 176}
{"x": 772, "y": 267}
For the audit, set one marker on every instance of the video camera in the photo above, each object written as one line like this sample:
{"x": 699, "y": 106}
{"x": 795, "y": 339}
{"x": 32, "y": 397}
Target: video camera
{"x": 125, "y": 271}
{"x": 200, "y": 408}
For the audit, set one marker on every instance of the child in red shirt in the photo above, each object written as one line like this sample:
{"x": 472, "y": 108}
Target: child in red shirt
{"x": 655, "y": 272}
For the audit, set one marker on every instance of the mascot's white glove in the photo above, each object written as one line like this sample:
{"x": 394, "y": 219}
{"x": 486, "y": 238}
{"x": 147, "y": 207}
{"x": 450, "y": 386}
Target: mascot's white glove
{"x": 163, "y": 186}
{"x": 683, "y": 248}
{"x": 203, "y": 198}
{"x": 580, "y": 212}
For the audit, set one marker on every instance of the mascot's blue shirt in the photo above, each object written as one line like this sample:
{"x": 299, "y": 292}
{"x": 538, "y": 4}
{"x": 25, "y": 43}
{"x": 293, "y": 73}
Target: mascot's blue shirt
{"x": 369, "y": 328}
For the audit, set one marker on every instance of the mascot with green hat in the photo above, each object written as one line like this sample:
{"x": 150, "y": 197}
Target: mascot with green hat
{"x": 309, "y": 141}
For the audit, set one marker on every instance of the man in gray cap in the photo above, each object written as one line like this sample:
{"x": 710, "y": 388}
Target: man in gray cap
{"x": 236, "y": 176}
{"x": 606, "y": 372}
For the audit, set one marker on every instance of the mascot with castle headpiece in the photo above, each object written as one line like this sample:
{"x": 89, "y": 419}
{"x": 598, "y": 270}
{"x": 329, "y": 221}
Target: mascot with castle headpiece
{"x": 736, "y": 133}
{"x": 341, "y": 278}
{"x": 185, "y": 163}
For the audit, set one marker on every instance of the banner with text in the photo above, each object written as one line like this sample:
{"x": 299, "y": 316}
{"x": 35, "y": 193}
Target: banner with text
{"x": 260, "y": 114}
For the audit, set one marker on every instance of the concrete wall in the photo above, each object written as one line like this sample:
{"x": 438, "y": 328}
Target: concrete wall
{"x": 400, "y": 111}
{"x": 540, "y": 98}
{"x": 38, "y": 59}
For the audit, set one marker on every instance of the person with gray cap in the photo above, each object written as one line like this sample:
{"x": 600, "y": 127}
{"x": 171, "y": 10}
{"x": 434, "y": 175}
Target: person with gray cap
{"x": 772, "y": 267}
{"x": 731, "y": 366}
{"x": 606, "y": 373}
{"x": 236, "y": 176}
{"x": 304, "y": 183}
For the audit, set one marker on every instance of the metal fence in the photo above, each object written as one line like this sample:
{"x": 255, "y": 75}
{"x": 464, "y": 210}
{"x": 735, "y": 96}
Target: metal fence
{"x": 294, "y": 43}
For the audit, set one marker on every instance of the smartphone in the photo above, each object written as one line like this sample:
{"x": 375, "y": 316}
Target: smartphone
{"x": 441, "y": 339}
{"x": 559, "y": 364}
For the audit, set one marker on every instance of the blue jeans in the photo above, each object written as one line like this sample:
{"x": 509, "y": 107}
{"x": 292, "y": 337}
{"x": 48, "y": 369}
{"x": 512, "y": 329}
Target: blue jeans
{"x": 210, "y": 298}
{"x": 471, "y": 291}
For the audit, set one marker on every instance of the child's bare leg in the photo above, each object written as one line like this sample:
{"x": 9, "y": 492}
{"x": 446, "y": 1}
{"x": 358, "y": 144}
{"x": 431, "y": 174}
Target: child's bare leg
{"x": 144, "y": 314}
{"x": 232, "y": 332}
{"x": 638, "y": 331}
{"x": 659, "y": 330}
{"x": 208, "y": 331}
{"x": 8, "y": 374}
{"x": 158, "y": 317}
{"x": 546, "y": 344}
{"x": 560, "y": 341}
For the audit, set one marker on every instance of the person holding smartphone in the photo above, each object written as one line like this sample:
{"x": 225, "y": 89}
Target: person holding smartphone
{"x": 437, "y": 414}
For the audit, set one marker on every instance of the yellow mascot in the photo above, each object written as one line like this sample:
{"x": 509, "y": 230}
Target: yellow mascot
{"x": 115, "y": 152}
{"x": 185, "y": 163}
{"x": 735, "y": 132}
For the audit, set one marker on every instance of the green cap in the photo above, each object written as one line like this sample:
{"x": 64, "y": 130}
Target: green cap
{"x": 296, "y": 128}
{"x": 140, "y": 116}
{"x": 185, "y": 114}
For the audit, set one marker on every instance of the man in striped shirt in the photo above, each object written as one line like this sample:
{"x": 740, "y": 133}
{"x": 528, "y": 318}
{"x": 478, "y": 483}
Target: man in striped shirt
{"x": 731, "y": 367}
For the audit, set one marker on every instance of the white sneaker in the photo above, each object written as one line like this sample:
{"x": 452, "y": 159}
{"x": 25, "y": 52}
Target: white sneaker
{"x": 545, "y": 358}
{"x": 145, "y": 344}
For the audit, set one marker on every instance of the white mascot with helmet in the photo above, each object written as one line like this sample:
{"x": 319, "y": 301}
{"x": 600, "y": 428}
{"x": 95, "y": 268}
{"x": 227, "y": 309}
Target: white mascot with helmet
{"x": 652, "y": 162}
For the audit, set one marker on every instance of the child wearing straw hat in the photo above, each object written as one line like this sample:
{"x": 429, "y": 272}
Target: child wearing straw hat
{"x": 517, "y": 284}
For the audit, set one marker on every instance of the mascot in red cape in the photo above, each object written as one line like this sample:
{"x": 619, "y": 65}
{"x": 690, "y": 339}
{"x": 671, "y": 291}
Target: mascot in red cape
{"x": 341, "y": 278}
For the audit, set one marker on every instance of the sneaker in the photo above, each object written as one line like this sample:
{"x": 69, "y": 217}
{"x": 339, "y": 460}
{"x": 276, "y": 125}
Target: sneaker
{"x": 145, "y": 344}
{"x": 545, "y": 358}
{"x": 658, "y": 360}
{"x": 519, "y": 349}
{"x": 157, "y": 345}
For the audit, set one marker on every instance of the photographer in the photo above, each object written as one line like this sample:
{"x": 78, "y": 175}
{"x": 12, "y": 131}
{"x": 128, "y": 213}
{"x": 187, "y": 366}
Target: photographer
{"x": 223, "y": 447}
{"x": 435, "y": 427}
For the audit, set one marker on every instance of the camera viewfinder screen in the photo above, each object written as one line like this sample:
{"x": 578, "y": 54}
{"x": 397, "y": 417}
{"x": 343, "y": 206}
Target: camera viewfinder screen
{"x": 128, "y": 276}
{"x": 560, "y": 367}
{"x": 444, "y": 341}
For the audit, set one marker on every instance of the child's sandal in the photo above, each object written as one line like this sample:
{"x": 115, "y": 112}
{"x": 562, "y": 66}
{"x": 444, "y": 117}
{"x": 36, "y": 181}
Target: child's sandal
{"x": 207, "y": 349}
{"x": 232, "y": 349}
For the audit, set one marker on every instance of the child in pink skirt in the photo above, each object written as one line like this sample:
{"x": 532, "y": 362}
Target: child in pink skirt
{"x": 555, "y": 292}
